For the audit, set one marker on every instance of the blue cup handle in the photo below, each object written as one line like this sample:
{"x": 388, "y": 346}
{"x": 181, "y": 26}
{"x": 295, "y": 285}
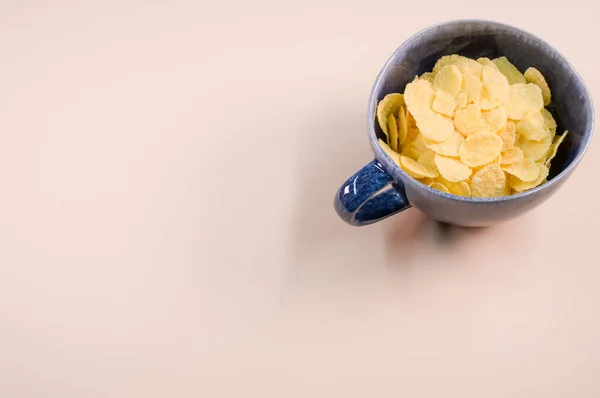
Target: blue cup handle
{"x": 369, "y": 196}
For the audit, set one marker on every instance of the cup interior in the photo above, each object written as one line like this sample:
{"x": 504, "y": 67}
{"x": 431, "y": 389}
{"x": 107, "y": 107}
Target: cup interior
{"x": 571, "y": 103}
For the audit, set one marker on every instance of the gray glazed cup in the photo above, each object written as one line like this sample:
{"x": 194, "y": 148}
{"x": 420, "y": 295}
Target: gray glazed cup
{"x": 382, "y": 189}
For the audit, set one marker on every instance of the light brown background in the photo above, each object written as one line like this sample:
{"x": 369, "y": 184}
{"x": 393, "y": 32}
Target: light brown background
{"x": 166, "y": 229}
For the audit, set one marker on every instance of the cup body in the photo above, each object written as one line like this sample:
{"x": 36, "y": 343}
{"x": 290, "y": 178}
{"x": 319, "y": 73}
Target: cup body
{"x": 571, "y": 106}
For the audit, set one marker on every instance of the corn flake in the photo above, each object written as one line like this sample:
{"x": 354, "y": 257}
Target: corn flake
{"x": 471, "y": 87}
{"x": 535, "y": 76}
{"x": 494, "y": 88}
{"x": 418, "y": 143}
{"x": 445, "y": 60}
{"x": 427, "y": 159}
{"x": 411, "y": 152}
{"x": 392, "y": 132}
{"x": 452, "y": 169}
{"x": 467, "y": 65}
{"x": 461, "y": 100}
{"x": 554, "y": 148}
{"x": 511, "y": 72}
{"x": 415, "y": 169}
{"x": 444, "y": 103}
{"x": 411, "y": 125}
{"x": 525, "y": 170}
{"x": 520, "y": 186}
{"x": 428, "y": 76}
{"x": 489, "y": 182}
{"x": 508, "y": 135}
{"x": 460, "y": 188}
{"x": 391, "y": 153}
{"x": 486, "y": 62}
{"x": 495, "y": 118}
{"x": 535, "y": 150}
{"x": 532, "y": 126}
{"x": 549, "y": 121}
{"x": 523, "y": 98}
{"x": 480, "y": 149}
{"x": 419, "y": 97}
{"x": 513, "y": 155}
{"x": 448, "y": 79}
{"x": 469, "y": 120}
{"x": 402, "y": 126}
{"x": 440, "y": 187}
{"x": 427, "y": 181}
{"x": 449, "y": 147}
{"x": 389, "y": 105}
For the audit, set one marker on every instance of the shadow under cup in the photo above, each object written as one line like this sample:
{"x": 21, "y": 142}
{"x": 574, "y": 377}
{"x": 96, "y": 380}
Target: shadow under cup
{"x": 571, "y": 106}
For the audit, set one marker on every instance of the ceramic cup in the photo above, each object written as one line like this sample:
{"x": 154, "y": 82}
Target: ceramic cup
{"x": 381, "y": 188}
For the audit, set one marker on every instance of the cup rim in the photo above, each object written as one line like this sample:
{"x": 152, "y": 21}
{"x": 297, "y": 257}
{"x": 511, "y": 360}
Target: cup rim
{"x": 587, "y": 136}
